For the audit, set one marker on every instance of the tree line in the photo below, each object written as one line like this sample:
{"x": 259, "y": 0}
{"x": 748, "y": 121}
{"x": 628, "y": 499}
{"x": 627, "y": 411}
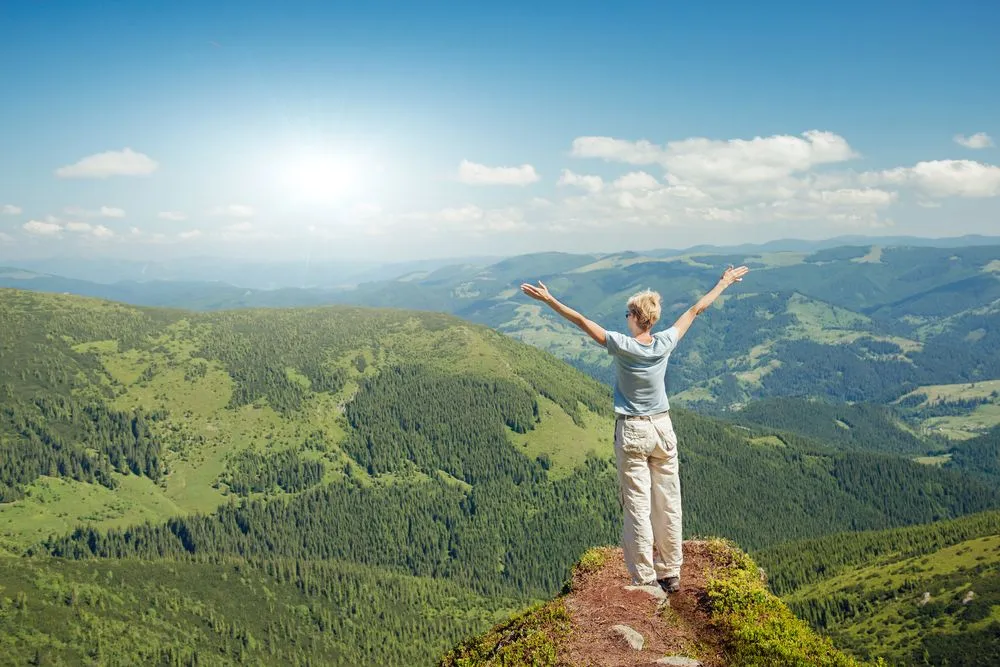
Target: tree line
{"x": 61, "y": 437}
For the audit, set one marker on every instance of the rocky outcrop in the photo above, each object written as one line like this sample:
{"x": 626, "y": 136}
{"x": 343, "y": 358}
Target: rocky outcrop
{"x": 723, "y": 615}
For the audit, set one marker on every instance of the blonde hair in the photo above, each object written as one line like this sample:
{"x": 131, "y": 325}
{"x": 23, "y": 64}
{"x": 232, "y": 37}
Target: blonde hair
{"x": 645, "y": 308}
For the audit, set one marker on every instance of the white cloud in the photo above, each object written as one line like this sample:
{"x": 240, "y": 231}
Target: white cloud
{"x": 945, "y": 178}
{"x": 234, "y": 211}
{"x": 714, "y": 214}
{"x": 755, "y": 160}
{"x": 977, "y": 140}
{"x": 125, "y": 162}
{"x": 6, "y": 239}
{"x": 100, "y": 231}
{"x": 658, "y": 200}
{"x": 103, "y": 212}
{"x": 638, "y": 199}
{"x": 854, "y": 197}
{"x": 478, "y": 174}
{"x": 111, "y": 212}
{"x": 701, "y": 160}
{"x": 239, "y": 227}
{"x": 588, "y": 183}
{"x": 637, "y": 180}
{"x": 509, "y": 219}
{"x": 845, "y": 207}
{"x": 720, "y": 182}
{"x": 460, "y": 215}
{"x": 468, "y": 219}
{"x": 39, "y": 228}
{"x": 617, "y": 150}
{"x": 699, "y": 197}
{"x": 175, "y": 216}
{"x": 10, "y": 209}
{"x": 188, "y": 235}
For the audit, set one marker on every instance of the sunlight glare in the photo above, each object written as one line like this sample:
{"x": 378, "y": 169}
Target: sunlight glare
{"x": 320, "y": 177}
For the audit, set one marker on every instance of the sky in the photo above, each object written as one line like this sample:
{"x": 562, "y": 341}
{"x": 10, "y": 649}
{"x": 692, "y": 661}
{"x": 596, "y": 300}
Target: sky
{"x": 393, "y": 131}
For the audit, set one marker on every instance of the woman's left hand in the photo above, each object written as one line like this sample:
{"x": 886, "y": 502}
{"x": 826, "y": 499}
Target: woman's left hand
{"x": 732, "y": 275}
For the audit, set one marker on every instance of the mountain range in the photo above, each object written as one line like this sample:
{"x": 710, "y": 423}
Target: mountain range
{"x": 905, "y": 325}
{"x": 387, "y": 482}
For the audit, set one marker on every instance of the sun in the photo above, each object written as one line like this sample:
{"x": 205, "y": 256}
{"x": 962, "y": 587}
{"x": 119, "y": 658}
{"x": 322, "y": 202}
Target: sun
{"x": 320, "y": 177}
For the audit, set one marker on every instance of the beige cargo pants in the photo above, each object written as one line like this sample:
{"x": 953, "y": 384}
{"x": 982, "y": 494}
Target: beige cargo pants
{"x": 650, "y": 488}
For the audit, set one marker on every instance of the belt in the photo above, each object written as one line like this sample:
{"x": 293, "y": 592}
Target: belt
{"x": 643, "y": 417}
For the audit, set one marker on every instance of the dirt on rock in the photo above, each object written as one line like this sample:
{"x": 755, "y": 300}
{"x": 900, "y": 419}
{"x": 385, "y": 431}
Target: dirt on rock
{"x": 599, "y": 601}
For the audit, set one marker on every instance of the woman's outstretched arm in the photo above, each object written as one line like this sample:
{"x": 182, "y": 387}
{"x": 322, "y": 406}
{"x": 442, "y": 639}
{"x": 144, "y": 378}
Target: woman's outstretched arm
{"x": 729, "y": 277}
{"x": 541, "y": 293}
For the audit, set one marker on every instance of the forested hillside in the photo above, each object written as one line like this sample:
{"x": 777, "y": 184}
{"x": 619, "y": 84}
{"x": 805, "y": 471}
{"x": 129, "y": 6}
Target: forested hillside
{"x": 435, "y": 451}
{"x": 861, "y": 426}
{"x": 921, "y": 595}
{"x": 979, "y": 456}
{"x": 153, "y": 612}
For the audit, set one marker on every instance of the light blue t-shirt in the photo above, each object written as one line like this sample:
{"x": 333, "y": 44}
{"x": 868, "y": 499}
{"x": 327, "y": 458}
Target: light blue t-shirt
{"x": 640, "y": 371}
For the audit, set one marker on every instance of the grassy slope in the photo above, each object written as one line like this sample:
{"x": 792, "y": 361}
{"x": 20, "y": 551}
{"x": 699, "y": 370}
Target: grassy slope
{"x": 895, "y": 618}
{"x": 866, "y": 589}
{"x": 564, "y": 442}
{"x": 965, "y": 426}
{"x": 201, "y": 434}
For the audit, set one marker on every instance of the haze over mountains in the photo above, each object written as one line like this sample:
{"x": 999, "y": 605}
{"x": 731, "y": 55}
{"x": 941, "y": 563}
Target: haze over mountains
{"x": 344, "y": 273}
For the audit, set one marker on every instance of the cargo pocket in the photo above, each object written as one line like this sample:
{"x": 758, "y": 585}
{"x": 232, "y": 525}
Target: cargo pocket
{"x": 638, "y": 436}
{"x": 665, "y": 430}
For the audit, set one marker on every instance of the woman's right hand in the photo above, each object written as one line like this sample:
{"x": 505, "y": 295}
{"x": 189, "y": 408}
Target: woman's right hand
{"x": 731, "y": 275}
{"x": 540, "y": 291}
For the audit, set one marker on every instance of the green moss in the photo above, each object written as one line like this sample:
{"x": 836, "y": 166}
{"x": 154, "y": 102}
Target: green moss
{"x": 759, "y": 628}
{"x": 530, "y": 638}
{"x": 592, "y": 561}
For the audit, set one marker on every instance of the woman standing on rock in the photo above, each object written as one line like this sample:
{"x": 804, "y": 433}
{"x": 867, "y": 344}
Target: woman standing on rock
{"x": 645, "y": 442}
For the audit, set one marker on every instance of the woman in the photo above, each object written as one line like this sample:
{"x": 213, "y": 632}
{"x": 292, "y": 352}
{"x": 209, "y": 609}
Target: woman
{"x": 645, "y": 443}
